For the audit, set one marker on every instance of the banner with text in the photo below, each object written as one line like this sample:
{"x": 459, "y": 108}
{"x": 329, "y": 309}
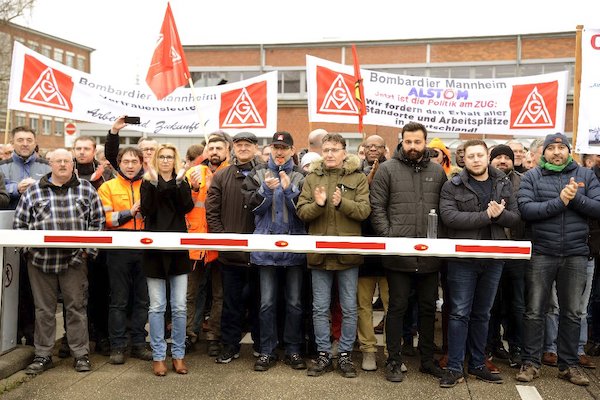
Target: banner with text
{"x": 529, "y": 105}
{"x": 588, "y": 126}
{"x": 43, "y": 86}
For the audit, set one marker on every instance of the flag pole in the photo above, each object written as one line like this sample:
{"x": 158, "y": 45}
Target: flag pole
{"x": 577, "y": 89}
{"x": 7, "y": 125}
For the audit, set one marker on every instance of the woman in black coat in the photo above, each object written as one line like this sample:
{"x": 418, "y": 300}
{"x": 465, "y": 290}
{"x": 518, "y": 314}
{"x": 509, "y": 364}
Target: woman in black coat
{"x": 165, "y": 199}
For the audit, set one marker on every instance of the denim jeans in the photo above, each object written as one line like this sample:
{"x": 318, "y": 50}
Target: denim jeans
{"x": 347, "y": 287}
{"x": 269, "y": 288}
{"x": 594, "y": 306}
{"x": 238, "y": 281}
{"x": 127, "y": 283}
{"x": 552, "y": 316}
{"x": 157, "y": 292}
{"x": 570, "y": 276}
{"x": 472, "y": 286}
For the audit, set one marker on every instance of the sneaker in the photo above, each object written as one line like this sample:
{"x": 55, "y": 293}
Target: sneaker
{"x": 527, "y": 373}
{"x": 432, "y": 370}
{"x": 484, "y": 374}
{"x": 117, "y": 356}
{"x": 255, "y": 354}
{"x": 514, "y": 358}
{"x": 213, "y": 348}
{"x": 408, "y": 349}
{"x": 140, "y": 351}
{"x": 322, "y": 364}
{"x": 227, "y": 355}
{"x": 295, "y": 361}
{"x": 82, "y": 364}
{"x": 393, "y": 372}
{"x": 585, "y": 362}
{"x": 264, "y": 362}
{"x": 451, "y": 378}
{"x": 378, "y": 329}
{"x": 550, "y": 359}
{"x": 369, "y": 362}
{"x": 491, "y": 367}
{"x": 403, "y": 368}
{"x": 64, "y": 351}
{"x": 500, "y": 352}
{"x": 574, "y": 375}
{"x": 346, "y": 366}
{"x": 39, "y": 365}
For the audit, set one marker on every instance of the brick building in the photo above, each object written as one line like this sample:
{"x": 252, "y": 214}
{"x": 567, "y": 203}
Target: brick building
{"x": 470, "y": 57}
{"x": 50, "y": 129}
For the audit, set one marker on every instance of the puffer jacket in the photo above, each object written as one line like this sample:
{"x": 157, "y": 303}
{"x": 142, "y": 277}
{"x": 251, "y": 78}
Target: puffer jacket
{"x": 556, "y": 229}
{"x": 275, "y": 210}
{"x": 15, "y": 169}
{"x": 402, "y": 194}
{"x": 461, "y": 210}
{"x": 344, "y": 220}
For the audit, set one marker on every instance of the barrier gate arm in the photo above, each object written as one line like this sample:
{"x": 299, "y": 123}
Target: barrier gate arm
{"x": 462, "y": 248}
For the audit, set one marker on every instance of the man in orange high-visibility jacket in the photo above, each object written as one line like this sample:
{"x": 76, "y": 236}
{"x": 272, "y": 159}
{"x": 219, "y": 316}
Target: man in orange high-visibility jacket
{"x": 205, "y": 262}
{"x": 121, "y": 201}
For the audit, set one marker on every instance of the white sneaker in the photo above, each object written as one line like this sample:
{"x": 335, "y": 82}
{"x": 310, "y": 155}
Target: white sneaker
{"x": 403, "y": 368}
{"x": 369, "y": 362}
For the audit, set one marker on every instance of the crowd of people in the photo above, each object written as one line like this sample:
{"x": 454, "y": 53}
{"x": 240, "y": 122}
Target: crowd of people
{"x": 316, "y": 306}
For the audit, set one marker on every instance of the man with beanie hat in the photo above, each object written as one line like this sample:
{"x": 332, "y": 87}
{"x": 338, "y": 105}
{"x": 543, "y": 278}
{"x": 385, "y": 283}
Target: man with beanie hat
{"x": 557, "y": 199}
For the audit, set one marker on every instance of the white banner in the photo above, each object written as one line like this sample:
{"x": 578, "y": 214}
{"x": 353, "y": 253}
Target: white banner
{"x": 43, "y": 86}
{"x": 530, "y": 105}
{"x": 588, "y": 126}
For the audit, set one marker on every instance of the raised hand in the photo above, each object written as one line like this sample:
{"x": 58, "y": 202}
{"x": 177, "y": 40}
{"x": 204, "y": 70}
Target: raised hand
{"x": 320, "y": 195}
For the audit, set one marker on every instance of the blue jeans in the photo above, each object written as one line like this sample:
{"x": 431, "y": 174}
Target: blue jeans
{"x": 472, "y": 286}
{"x": 157, "y": 291}
{"x": 552, "y": 315}
{"x": 321, "y": 289}
{"x": 269, "y": 288}
{"x": 570, "y": 276}
{"x": 127, "y": 282}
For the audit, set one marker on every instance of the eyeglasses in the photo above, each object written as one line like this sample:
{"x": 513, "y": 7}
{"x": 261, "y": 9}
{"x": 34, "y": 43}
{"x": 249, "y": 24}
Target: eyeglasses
{"x": 332, "y": 151}
{"x": 166, "y": 158}
{"x": 149, "y": 149}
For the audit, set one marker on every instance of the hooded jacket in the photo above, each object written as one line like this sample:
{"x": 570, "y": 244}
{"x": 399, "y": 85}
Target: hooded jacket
{"x": 275, "y": 210}
{"x": 556, "y": 229}
{"x": 344, "y": 220}
{"x": 402, "y": 194}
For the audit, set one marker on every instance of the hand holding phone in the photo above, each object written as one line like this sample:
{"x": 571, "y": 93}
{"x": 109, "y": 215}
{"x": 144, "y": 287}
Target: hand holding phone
{"x": 132, "y": 120}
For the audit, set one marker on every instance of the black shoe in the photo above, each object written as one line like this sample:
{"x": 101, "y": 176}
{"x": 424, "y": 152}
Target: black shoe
{"x": 514, "y": 359}
{"x": 227, "y": 355}
{"x": 140, "y": 351}
{"x": 39, "y": 365}
{"x": 264, "y": 362}
{"x": 213, "y": 348}
{"x": 346, "y": 366}
{"x": 102, "y": 347}
{"x": 117, "y": 356}
{"x": 295, "y": 361}
{"x": 321, "y": 365}
{"x": 64, "y": 351}
{"x": 378, "y": 305}
{"x": 451, "y": 378}
{"x": 432, "y": 369}
{"x": 189, "y": 345}
{"x": 393, "y": 372}
{"x": 500, "y": 352}
{"x": 82, "y": 364}
{"x": 484, "y": 374}
{"x": 408, "y": 349}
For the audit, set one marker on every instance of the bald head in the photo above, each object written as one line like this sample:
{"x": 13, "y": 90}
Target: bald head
{"x": 374, "y": 148}
{"x": 315, "y": 140}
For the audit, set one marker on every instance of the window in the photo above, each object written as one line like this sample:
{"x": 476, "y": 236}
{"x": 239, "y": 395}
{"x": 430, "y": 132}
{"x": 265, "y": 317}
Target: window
{"x": 59, "y": 126}
{"x": 483, "y": 72}
{"x": 80, "y": 63}
{"x": 460, "y": 72}
{"x": 34, "y": 122}
{"x": 46, "y": 50}
{"x": 505, "y": 71}
{"x": 70, "y": 59}
{"x": 46, "y": 125}
{"x": 58, "y": 55}
{"x": 35, "y": 46}
{"x": 21, "y": 119}
{"x": 439, "y": 72}
{"x": 289, "y": 82}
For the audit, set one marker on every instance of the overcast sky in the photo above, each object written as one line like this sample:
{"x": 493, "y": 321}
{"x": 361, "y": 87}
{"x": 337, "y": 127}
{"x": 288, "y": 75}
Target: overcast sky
{"x": 124, "y": 32}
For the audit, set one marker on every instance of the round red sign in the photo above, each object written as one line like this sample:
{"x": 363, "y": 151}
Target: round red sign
{"x": 70, "y": 128}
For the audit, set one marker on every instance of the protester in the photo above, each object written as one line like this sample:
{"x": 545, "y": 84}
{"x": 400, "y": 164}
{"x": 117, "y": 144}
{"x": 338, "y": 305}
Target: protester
{"x": 60, "y": 201}
{"x": 165, "y": 199}
{"x": 334, "y": 201}
{"x": 519, "y": 154}
{"x": 440, "y": 154}
{"x": 4, "y": 199}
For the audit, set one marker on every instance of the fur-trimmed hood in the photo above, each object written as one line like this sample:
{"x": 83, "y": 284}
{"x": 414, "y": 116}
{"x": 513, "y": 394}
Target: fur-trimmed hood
{"x": 351, "y": 164}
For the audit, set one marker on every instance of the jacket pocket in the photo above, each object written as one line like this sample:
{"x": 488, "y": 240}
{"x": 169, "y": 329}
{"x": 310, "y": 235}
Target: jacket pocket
{"x": 41, "y": 210}
{"x": 315, "y": 258}
{"x": 350, "y": 259}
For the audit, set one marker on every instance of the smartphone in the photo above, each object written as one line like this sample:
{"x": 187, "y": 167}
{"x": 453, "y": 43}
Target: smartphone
{"x": 132, "y": 120}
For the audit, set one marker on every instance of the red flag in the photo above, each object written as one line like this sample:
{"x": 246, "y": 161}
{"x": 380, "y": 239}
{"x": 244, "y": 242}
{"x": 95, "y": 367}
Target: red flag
{"x": 168, "y": 69}
{"x": 359, "y": 90}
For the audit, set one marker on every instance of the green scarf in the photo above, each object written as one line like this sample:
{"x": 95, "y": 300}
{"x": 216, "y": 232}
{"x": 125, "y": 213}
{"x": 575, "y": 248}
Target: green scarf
{"x": 551, "y": 167}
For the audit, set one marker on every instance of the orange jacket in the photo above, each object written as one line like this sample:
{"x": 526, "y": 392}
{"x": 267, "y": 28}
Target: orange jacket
{"x": 117, "y": 196}
{"x": 196, "y": 219}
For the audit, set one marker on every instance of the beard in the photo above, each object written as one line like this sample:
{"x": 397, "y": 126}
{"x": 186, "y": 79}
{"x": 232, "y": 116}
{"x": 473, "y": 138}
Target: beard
{"x": 414, "y": 155}
{"x": 476, "y": 173}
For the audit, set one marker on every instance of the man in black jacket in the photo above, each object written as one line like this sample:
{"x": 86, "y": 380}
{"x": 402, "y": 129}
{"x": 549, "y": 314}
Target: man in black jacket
{"x": 478, "y": 203}
{"x": 403, "y": 192}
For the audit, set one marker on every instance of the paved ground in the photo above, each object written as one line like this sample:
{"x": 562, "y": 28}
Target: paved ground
{"x": 237, "y": 380}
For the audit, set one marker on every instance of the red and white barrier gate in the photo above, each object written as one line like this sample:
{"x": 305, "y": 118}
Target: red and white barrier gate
{"x": 463, "y": 248}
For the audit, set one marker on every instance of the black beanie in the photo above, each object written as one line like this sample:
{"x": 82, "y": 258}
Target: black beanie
{"x": 502, "y": 149}
{"x": 556, "y": 138}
